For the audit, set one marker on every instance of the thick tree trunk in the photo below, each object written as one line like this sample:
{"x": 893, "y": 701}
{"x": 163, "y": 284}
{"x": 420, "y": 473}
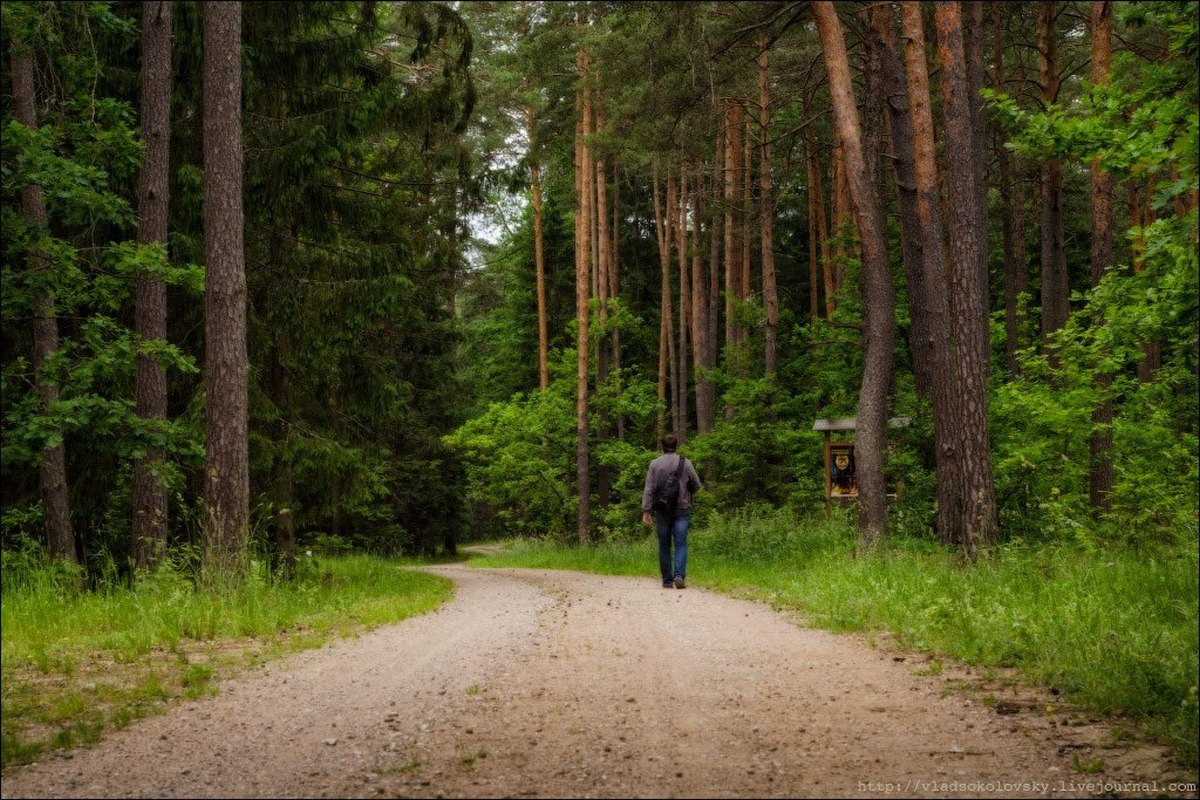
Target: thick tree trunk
{"x": 932, "y": 291}
{"x": 899, "y": 122}
{"x": 1100, "y": 482}
{"x": 149, "y": 493}
{"x": 227, "y": 478}
{"x": 767, "y": 217}
{"x": 52, "y": 473}
{"x": 1055, "y": 292}
{"x": 968, "y": 296}
{"x": 877, "y": 291}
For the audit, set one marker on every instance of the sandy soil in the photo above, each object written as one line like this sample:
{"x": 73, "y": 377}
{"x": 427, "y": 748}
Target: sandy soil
{"x": 535, "y": 683}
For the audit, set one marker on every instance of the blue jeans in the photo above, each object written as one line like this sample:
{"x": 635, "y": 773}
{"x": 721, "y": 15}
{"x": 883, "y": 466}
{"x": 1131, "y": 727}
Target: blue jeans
{"x": 672, "y": 528}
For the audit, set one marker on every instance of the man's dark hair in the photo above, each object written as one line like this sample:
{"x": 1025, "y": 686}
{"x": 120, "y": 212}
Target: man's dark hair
{"x": 669, "y": 443}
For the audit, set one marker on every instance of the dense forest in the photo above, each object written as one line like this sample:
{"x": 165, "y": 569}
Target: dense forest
{"x": 386, "y": 277}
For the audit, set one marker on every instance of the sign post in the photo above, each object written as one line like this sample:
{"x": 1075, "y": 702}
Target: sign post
{"x": 841, "y": 479}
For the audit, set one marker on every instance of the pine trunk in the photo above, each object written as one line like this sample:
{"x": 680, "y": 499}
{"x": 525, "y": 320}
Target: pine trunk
{"x": 539, "y": 254}
{"x": 767, "y": 218}
{"x": 150, "y": 317}
{"x": 968, "y": 295}
{"x": 227, "y": 479}
{"x": 878, "y": 299}
{"x": 700, "y": 309}
{"x": 1055, "y": 294}
{"x": 714, "y": 254}
{"x": 668, "y": 306}
{"x": 932, "y": 291}
{"x": 52, "y": 472}
{"x": 733, "y": 280}
{"x": 663, "y": 235}
{"x": 583, "y": 238}
{"x": 685, "y": 305}
{"x": 1100, "y": 483}
{"x": 603, "y": 352}
{"x": 900, "y": 132}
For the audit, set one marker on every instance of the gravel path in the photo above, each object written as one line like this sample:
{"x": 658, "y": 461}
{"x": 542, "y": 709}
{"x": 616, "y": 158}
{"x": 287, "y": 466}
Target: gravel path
{"x": 536, "y": 683}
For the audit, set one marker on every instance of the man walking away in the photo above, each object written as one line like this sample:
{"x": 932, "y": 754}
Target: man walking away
{"x": 671, "y": 482}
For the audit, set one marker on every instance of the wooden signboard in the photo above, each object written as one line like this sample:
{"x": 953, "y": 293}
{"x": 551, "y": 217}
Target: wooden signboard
{"x": 841, "y": 478}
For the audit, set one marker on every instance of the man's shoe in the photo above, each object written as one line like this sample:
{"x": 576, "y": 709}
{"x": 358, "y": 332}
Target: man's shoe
{"x": 679, "y": 584}
{"x": 668, "y": 585}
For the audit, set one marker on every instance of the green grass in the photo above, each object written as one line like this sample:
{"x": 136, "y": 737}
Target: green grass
{"x": 76, "y": 663}
{"x": 1115, "y": 631}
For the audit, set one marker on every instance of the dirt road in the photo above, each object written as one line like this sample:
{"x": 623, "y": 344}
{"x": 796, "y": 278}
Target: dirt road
{"x": 537, "y": 683}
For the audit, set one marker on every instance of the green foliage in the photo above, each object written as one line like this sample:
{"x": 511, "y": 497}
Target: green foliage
{"x": 760, "y": 452}
{"x": 1144, "y": 125}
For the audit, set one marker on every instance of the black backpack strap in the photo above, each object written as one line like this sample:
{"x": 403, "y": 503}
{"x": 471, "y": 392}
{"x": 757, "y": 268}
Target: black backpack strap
{"x": 679, "y": 469}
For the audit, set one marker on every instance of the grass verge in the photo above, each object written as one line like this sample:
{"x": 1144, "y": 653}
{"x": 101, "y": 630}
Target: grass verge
{"x": 1115, "y": 631}
{"x": 76, "y": 664}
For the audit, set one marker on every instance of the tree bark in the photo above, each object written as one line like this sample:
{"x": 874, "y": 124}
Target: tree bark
{"x": 685, "y": 305}
{"x": 1055, "y": 292}
{"x": 840, "y": 226}
{"x": 700, "y": 309}
{"x": 539, "y": 253}
{"x": 603, "y": 352}
{"x": 52, "y": 472}
{"x": 668, "y": 306}
{"x": 582, "y": 282}
{"x": 150, "y": 507}
{"x": 899, "y": 122}
{"x": 714, "y": 252}
{"x": 877, "y": 291}
{"x": 663, "y": 235}
{"x": 747, "y": 212}
{"x": 968, "y": 296}
{"x": 227, "y": 479}
{"x": 733, "y": 280}
{"x": 767, "y": 217}
{"x": 821, "y": 274}
{"x": 614, "y": 281}
{"x": 1100, "y": 481}
{"x": 932, "y": 289}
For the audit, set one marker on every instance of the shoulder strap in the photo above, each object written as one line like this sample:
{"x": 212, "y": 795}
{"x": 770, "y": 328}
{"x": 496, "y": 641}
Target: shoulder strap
{"x": 679, "y": 468}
